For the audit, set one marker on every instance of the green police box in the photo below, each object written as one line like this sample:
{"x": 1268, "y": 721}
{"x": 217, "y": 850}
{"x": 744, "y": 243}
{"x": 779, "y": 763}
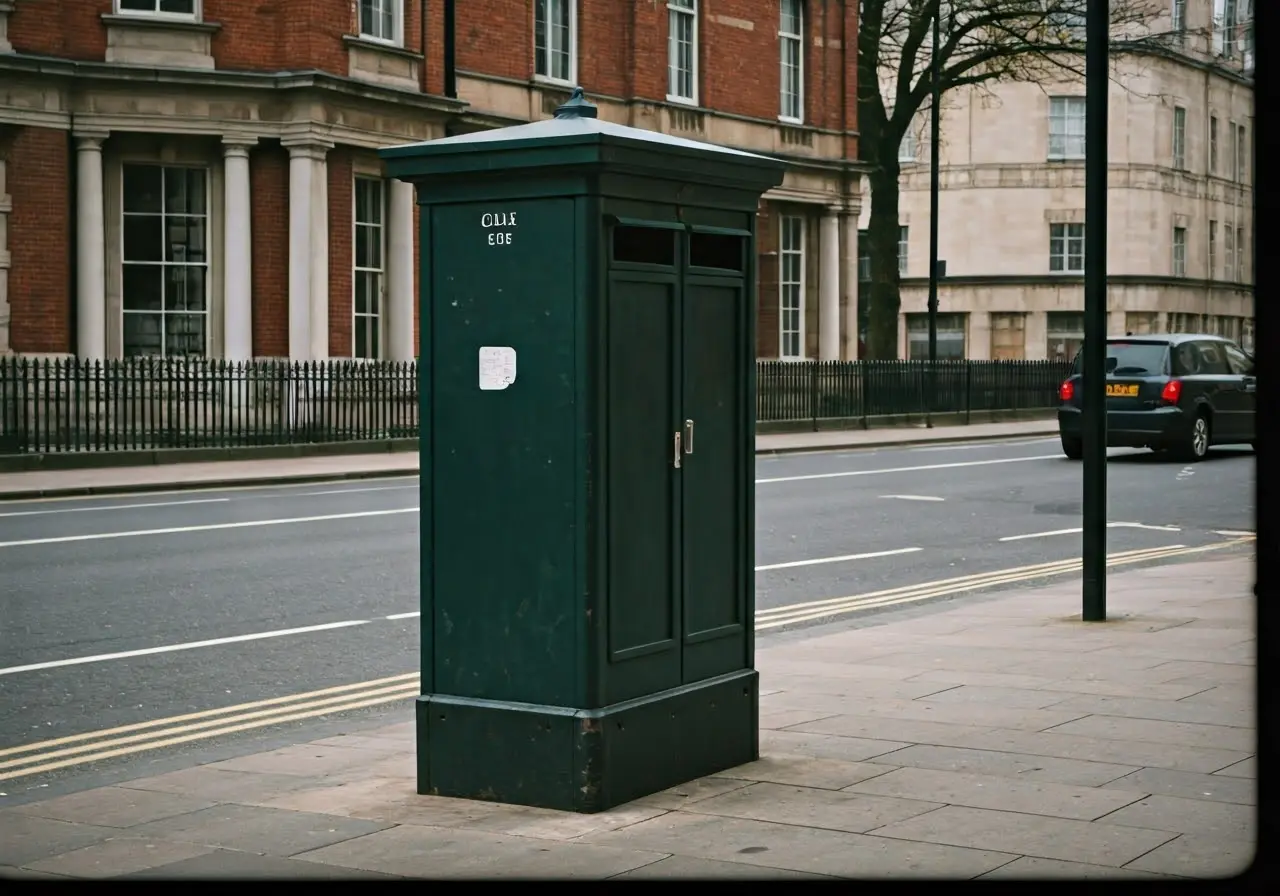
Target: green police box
{"x": 587, "y": 459}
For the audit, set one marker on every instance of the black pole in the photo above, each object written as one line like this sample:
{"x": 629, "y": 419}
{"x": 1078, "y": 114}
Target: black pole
{"x": 450, "y": 35}
{"x": 934, "y": 116}
{"x": 1093, "y": 368}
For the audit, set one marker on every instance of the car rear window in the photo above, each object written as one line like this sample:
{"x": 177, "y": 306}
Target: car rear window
{"x": 1132, "y": 358}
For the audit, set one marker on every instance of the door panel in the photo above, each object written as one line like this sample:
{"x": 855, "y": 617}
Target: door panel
{"x": 714, "y": 599}
{"x": 643, "y": 602}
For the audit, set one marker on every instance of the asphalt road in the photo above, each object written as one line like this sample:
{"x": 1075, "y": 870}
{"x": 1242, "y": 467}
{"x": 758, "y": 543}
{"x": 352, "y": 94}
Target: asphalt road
{"x": 204, "y": 612}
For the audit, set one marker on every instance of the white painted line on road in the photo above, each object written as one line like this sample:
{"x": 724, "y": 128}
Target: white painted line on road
{"x": 1079, "y": 529}
{"x": 841, "y": 559}
{"x": 177, "y": 530}
{"x": 189, "y": 645}
{"x": 199, "y": 486}
{"x": 970, "y": 446}
{"x": 115, "y": 507}
{"x": 914, "y": 497}
{"x": 352, "y": 491}
{"x": 950, "y": 466}
{"x": 395, "y": 616}
{"x": 1241, "y": 533}
{"x": 1041, "y": 534}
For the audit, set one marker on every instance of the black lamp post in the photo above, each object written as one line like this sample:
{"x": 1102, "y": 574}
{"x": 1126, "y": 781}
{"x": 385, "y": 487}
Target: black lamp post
{"x": 1093, "y": 366}
{"x": 934, "y": 115}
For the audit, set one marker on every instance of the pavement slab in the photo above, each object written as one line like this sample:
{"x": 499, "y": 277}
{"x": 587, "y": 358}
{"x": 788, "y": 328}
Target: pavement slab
{"x": 1245, "y": 768}
{"x": 1096, "y": 749}
{"x": 421, "y": 851}
{"x": 28, "y": 838}
{"x": 1199, "y": 713}
{"x": 805, "y": 771}
{"x": 219, "y": 784}
{"x": 1200, "y": 857}
{"x": 980, "y": 791}
{"x": 826, "y": 746}
{"x": 1210, "y": 818}
{"x": 799, "y": 848}
{"x": 1014, "y": 766}
{"x": 118, "y": 856}
{"x": 1156, "y": 731}
{"x": 686, "y": 868}
{"x": 1031, "y": 868}
{"x": 1003, "y": 696}
{"x": 813, "y": 807}
{"x": 115, "y": 807}
{"x": 1049, "y": 838}
{"x": 682, "y": 795}
{"x": 1190, "y": 785}
{"x": 258, "y": 829}
{"x": 222, "y": 863}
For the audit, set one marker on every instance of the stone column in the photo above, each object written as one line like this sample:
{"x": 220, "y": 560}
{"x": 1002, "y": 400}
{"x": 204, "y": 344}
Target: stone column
{"x": 400, "y": 292}
{"x": 850, "y": 223}
{"x": 308, "y": 251}
{"x": 91, "y": 250}
{"x": 829, "y": 287}
{"x": 237, "y": 267}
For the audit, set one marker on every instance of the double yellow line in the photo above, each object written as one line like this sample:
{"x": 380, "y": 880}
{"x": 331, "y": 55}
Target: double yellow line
{"x": 840, "y": 606}
{"x": 140, "y": 737}
{"x": 93, "y": 746}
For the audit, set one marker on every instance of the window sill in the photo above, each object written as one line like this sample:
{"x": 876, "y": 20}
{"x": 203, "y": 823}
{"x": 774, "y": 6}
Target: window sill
{"x": 682, "y": 101}
{"x": 792, "y": 122}
{"x": 160, "y": 41}
{"x": 1064, "y": 159}
{"x": 384, "y": 63}
{"x": 549, "y": 81}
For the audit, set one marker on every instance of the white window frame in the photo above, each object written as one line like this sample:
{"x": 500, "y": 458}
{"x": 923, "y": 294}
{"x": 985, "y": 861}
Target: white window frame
{"x": 156, "y": 13}
{"x": 787, "y": 40}
{"x": 909, "y": 147}
{"x": 378, "y": 273}
{"x": 1240, "y": 164}
{"x": 396, "y": 38}
{"x": 950, "y": 324}
{"x": 1213, "y": 144}
{"x": 1228, "y": 252}
{"x": 1179, "y": 252}
{"x": 1239, "y": 278}
{"x": 1178, "y": 20}
{"x": 1066, "y": 236}
{"x": 904, "y": 248}
{"x": 1226, "y": 18}
{"x": 1180, "y": 138}
{"x": 791, "y": 291}
{"x": 1213, "y": 249}
{"x": 547, "y": 10}
{"x": 676, "y": 10}
{"x": 1063, "y": 109}
{"x": 125, "y": 261}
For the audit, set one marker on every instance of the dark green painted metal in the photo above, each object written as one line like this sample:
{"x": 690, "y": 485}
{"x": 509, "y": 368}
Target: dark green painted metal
{"x": 586, "y": 600}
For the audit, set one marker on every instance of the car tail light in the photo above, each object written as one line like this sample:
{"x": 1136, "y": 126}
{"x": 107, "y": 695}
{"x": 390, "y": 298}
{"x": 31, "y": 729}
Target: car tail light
{"x": 1067, "y": 390}
{"x": 1171, "y": 392}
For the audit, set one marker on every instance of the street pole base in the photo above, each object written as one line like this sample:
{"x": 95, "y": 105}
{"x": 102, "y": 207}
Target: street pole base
{"x": 586, "y": 760}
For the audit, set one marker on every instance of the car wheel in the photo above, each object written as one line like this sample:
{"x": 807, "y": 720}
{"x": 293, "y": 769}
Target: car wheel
{"x": 1195, "y": 444}
{"x": 1072, "y": 448}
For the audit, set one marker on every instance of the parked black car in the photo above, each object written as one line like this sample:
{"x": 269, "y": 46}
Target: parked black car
{"x": 1178, "y": 392}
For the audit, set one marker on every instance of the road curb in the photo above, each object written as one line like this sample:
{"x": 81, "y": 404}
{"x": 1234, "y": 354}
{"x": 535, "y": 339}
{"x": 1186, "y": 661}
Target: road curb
{"x": 907, "y": 442}
{"x": 86, "y": 491}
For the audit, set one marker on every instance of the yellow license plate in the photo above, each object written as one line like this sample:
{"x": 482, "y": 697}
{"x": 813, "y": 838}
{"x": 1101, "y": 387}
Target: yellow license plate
{"x": 1122, "y": 389}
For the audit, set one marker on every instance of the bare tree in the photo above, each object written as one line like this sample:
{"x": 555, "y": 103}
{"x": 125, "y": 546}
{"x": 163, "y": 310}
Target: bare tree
{"x": 981, "y": 42}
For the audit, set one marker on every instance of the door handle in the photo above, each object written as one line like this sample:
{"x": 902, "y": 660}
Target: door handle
{"x": 675, "y": 459}
{"x": 688, "y": 437}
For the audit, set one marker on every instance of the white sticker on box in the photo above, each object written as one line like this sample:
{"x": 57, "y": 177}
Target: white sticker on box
{"x": 497, "y": 366}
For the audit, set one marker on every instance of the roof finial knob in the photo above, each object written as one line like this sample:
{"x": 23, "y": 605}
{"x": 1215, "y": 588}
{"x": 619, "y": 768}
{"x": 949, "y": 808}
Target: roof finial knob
{"x": 576, "y": 107}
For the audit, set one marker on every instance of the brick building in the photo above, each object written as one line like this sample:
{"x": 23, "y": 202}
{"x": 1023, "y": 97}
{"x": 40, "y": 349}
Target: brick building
{"x": 201, "y": 177}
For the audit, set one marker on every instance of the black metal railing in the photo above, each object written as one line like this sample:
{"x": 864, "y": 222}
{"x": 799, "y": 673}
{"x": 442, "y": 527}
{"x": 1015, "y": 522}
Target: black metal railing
{"x": 812, "y": 391}
{"x": 54, "y": 406}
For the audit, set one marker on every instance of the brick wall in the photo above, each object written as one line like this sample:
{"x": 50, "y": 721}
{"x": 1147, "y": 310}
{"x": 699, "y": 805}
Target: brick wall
{"x": 269, "y": 200}
{"x": 341, "y": 188}
{"x": 40, "y": 259}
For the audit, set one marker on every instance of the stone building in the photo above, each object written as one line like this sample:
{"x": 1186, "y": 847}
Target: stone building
{"x": 1011, "y": 221}
{"x": 200, "y": 177}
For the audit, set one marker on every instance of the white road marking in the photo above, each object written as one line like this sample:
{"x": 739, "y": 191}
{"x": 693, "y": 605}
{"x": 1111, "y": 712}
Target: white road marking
{"x": 198, "y": 486}
{"x": 969, "y": 446}
{"x": 351, "y": 491}
{"x": 1081, "y": 529}
{"x": 868, "y": 556}
{"x": 178, "y": 530}
{"x": 395, "y": 616}
{"x": 914, "y": 497}
{"x": 116, "y": 507}
{"x": 189, "y": 645}
{"x": 950, "y": 466}
{"x": 1238, "y": 533}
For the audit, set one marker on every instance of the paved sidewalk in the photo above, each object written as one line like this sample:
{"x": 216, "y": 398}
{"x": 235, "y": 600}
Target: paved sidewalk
{"x": 999, "y": 739}
{"x": 230, "y": 473}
